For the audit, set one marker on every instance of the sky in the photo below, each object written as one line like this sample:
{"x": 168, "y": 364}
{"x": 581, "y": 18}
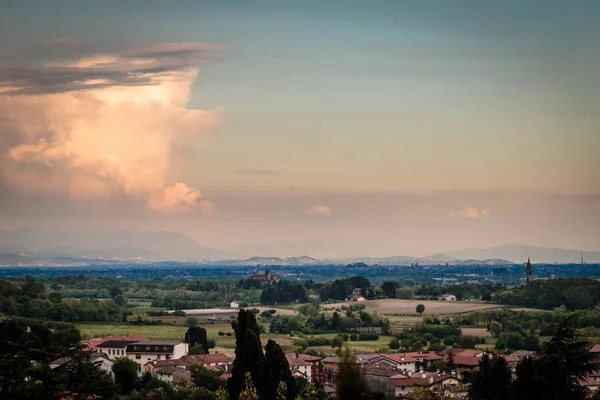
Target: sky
{"x": 324, "y": 128}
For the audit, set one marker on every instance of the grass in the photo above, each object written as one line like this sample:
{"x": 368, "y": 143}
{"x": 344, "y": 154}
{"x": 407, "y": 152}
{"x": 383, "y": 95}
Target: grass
{"x": 152, "y": 332}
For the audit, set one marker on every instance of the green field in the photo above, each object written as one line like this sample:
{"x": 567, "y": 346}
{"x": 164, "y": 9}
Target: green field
{"x": 153, "y": 332}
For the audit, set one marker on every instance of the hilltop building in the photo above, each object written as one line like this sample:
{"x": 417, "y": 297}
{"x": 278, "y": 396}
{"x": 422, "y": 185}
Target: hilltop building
{"x": 528, "y": 272}
{"x": 266, "y": 277}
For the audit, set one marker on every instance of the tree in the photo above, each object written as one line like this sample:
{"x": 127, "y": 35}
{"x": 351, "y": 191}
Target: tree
{"x": 277, "y": 370}
{"x": 192, "y": 322}
{"x": 196, "y": 349}
{"x": 510, "y": 340}
{"x": 249, "y": 358}
{"x": 557, "y": 373}
{"x": 28, "y": 351}
{"x": 197, "y": 335}
{"x": 450, "y": 364}
{"x": 335, "y": 320}
{"x": 531, "y": 342}
{"x": 420, "y": 309}
{"x": 125, "y": 371}
{"x": 394, "y": 344}
{"x": 389, "y": 289}
{"x": 249, "y": 391}
{"x": 493, "y": 381}
{"x": 55, "y": 297}
{"x": 120, "y": 300}
{"x": 350, "y": 384}
{"x": 495, "y": 328}
{"x": 337, "y": 341}
{"x": 405, "y": 293}
{"x": 202, "y": 377}
{"x": 423, "y": 393}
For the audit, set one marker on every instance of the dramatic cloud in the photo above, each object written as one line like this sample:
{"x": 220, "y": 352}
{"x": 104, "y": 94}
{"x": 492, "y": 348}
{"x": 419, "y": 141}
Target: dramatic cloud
{"x": 318, "y": 210}
{"x": 471, "y": 213}
{"x": 104, "y": 126}
{"x": 180, "y": 198}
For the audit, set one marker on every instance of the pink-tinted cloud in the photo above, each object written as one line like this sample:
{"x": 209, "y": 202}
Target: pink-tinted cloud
{"x": 469, "y": 212}
{"x": 318, "y": 210}
{"x": 180, "y": 198}
{"x": 112, "y": 135}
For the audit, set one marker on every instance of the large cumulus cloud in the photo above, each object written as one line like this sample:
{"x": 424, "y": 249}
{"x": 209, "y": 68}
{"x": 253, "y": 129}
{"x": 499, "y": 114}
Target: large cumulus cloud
{"x": 104, "y": 126}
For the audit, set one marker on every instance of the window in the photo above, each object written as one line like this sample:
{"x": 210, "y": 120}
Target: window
{"x": 168, "y": 356}
{"x": 138, "y": 356}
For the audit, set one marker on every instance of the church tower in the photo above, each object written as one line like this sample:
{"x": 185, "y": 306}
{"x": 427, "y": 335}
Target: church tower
{"x": 528, "y": 272}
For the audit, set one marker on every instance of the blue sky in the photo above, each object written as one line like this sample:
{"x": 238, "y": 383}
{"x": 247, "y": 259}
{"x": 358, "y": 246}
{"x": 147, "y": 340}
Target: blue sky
{"x": 317, "y": 99}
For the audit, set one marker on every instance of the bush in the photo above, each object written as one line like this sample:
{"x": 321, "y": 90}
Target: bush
{"x": 468, "y": 342}
{"x": 368, "y": 336}
{"x": 353, "y": 337}
{"x": 179, "y": 313}
{"x": 449, "y": 340}
{"x": 394, "y": 344}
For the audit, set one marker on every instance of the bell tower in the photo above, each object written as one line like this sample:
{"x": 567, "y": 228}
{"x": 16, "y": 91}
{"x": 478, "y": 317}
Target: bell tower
{"x": 528, "y": 272}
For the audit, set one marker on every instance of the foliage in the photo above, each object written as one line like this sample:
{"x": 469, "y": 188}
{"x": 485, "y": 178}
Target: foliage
{"x": 423, "y": 393}
{"x": 492, "y": 381}
{"x": 125, "y": 371}
{"x": 394, "y": 344}
{"x": 30, "y": 350}
{"x": 249, "y": 358}
{"x": 249, "y": 391}
{"x": 202, "y": 377}
{"x": 574, "y": 294}
{"x": 341, "y": 289}
{"x": 197, "y": 335}
{"x": 420, "y": 309}
{"x": 350, "y": 384}
{"x": 283, "y": 292}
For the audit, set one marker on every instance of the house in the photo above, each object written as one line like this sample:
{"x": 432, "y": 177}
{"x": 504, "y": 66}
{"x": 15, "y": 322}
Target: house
{"x": 114, "y": 348}
{"x": 173, "y": 375}
{"x": 216, "y": 362}
{"x": 360, "y": 298}
{"x": 99, "y": 359}
{"x": 142, "y": 352}
{"x": 448, "y": 297}
{"x": 378, "y": 378}
{"x": 221, "y": 361}
{"x": 266, "y": 277}
{"x": 330, "y": 368}
{"x": 300, "y": 366}
{"x": 466, "y": 361}
{"x": 410, "y": 362}
{"x": 234, "y": 304}
{"x": 405, "y": 383}
{"x": 595, "y": 349}
{"x": 316, "y": 370}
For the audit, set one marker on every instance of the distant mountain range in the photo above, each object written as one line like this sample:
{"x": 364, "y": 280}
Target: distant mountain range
{"x": 28, "y": 246}
{"x": 105, "y": 244}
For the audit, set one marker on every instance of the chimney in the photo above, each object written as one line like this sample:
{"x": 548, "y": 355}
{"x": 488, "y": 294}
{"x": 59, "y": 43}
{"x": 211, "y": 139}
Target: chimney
{"x": 409, "y": 373}
{"x": 430, "y": 380}
{"x": 424, "y": 375}
{"x": 453, "y": 372}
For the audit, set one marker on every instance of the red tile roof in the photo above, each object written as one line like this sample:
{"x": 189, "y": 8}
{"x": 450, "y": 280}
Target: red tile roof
{"x": 418, "y": 379}
{"x": 200, "y": 359}
{"x": 295, "y": 360}
{"x": 595, "y": 349}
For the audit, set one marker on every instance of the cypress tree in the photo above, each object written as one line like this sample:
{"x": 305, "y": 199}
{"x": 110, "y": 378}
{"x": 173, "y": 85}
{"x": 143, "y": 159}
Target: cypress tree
{"x": 249, "y": 357}
{"x": 278, "y": 370}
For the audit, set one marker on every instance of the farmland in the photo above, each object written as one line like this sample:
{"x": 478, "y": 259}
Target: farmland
{"x": 404, "y": 307}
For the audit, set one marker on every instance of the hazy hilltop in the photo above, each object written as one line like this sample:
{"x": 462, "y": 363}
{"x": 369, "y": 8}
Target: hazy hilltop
{"x": 519, "y": 253}
{"x": 105, "y": 244}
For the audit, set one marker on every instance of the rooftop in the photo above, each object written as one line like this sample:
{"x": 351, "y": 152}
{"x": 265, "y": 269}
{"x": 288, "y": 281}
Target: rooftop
{"x": 115, "y": 344}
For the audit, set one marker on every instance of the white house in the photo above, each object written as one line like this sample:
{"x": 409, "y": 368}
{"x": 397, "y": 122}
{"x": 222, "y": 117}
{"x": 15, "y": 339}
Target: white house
{"x": 299, "y": 366}
{"x": 114, "y": 348}
{"x": 99, "y": 359}
{"x": 448, "y": 297}
{"x": 143, "y": 352}
{"x": 172, "y": 374}
{"x": 235, "y": 304}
